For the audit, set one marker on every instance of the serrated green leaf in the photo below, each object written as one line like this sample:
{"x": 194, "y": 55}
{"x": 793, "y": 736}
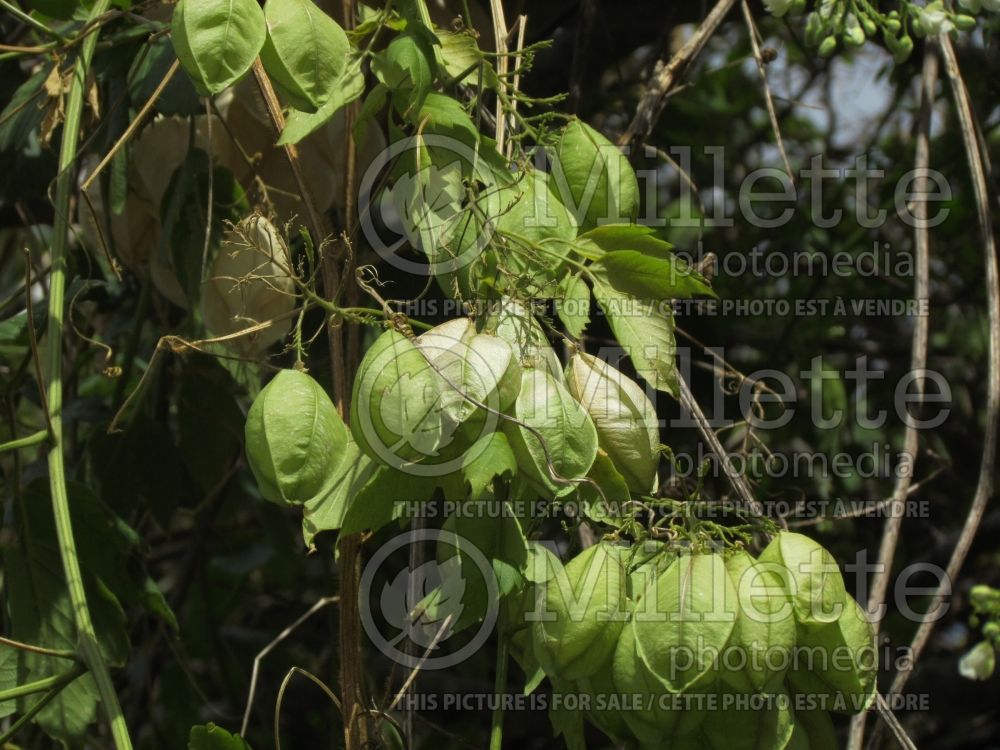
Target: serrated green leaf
{"x": 217, "y": 40}
{"x": 646, "y": 333}
{"x": 632, "y": 272}
{"x": 407, "y": 68}
{"x": 593, "y": 177}
{"x": 489, "y": 457}
{"x": 326, "y": 511}
{"x": 573, "y": 305}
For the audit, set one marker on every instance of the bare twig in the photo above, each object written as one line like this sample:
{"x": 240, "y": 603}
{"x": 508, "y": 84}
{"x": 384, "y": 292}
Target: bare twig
{"x": 737, "y": 480}
{"x": 771, "y": 113}
{"x": 132, "y": 126}
{"x": 58, "y": 653}
{"x": 281, "y": 697}
{"x": 664, "y": 76}
{"x": 500, "y": 37}
{"x": 984, "y": 484}
{"x": 918, "y": 362}
{"x": 893, "y": 723}
{"x": 445, "y": 624}
{"x": 320, "y": 604}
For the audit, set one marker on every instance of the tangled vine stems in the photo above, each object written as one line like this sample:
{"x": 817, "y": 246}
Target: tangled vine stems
{"x": 87, "y": 647}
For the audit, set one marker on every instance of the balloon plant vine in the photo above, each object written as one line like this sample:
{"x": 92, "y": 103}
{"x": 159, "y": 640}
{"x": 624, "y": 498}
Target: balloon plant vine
{"x": 503, "y": 203}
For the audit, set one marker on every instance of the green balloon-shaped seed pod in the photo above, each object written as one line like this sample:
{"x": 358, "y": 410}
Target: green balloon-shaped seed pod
{"x": 838, "y": 662}
{"x": 397, "y": 414}
{"x": 683, "y": 621}
{"x": 515, "y": 324}
{"x": 604, "y": 715}
{"x": 814, "y": 582}
{"x": 593, "y": 177}
{"x": 475, "y": 369}
{"x": 624, "y": 416}
{"x": 813, "y": 731}
{"x": 632, "y": 675}
{"x": 553, "y": 439}
{"x": 584, "y": 609}
{"x": 760, "y": 648}
{"x": 742, "y": 722}
{"x": 295, "y": 439}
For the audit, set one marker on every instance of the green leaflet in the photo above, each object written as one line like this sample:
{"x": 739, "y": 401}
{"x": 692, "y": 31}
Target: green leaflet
{"x": 573, "y": 304}
{"x": 397, "y": 413}
{"x": 645, "y": 331}
{"x": 811, "y": 576}
{"x": 462, "y": 59}
{"x": 211, "y": 737}
{"x": 496, "y": 534}
{"x": 593, "y": 177}
{"x": 632, "y": 272}
{"x": 346, "y": 89}
{"x": 838, "y": 661}
{"x": 217, "y": 40}
{"x": 407, "y": 68}
{"x": 584, "y": 606}
{"x": 305, "y": 53}
{"x": 489, "y": 457}
{"x": 682, "y": 620}
{"x": 327, "y": 510}
{"x": 295, "y": 439}
{"x": 624, "y": 416}
{"x": 515, "y": 324}
{"x": 552, "y": 433}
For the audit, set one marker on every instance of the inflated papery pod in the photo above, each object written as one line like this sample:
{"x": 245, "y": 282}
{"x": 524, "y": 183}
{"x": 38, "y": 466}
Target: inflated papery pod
{"x": 682, "y": 623}
{"x": 584, "y": 608}
{"x": 475, "y": 368}
{"x": 250, "y": 283}
{"x": 812, "y": 577}
{"x": 813, "y": 731}
{"x": 552, "y": 437}
{"x": 604, "y": 714}
{"x": 624, "y": 416}
{"x": 837, "y": 662}
{"x": 766, "y": 724}
{"x": 763, "y": 638}
{"x": 397, "y": 413}
{"x": 295, "y": 439}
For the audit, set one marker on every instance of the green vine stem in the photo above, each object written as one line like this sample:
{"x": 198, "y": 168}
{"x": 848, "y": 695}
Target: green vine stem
{"x": 500, "y": 684}
{"x": 89, "y": 651}
{"x": 57, "y": 684}
{"x": 46, "y": 683}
